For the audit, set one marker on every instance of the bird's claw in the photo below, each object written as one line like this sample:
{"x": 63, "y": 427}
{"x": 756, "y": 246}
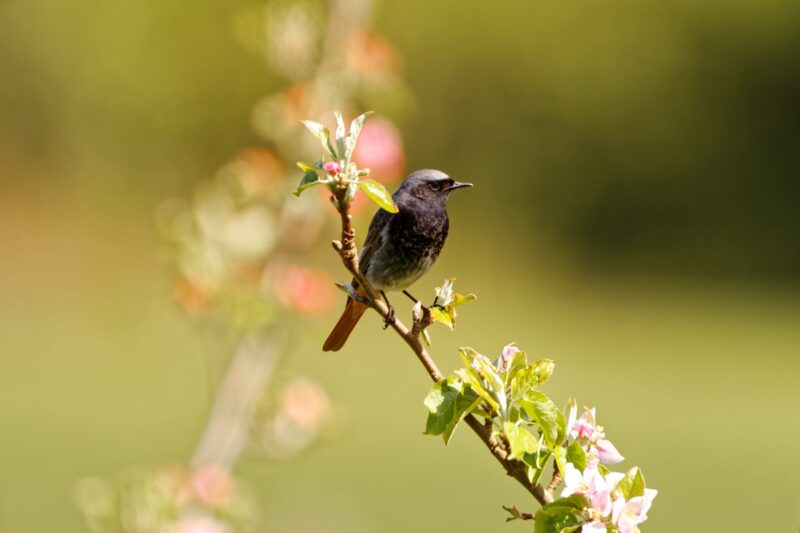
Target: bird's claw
{"x": 390, "y": 318}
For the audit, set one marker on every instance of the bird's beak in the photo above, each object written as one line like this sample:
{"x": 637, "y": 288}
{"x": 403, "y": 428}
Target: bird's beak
{"x": 459, "y": 185}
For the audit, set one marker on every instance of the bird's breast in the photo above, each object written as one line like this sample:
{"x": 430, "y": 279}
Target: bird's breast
{"x": 411, "y": 243}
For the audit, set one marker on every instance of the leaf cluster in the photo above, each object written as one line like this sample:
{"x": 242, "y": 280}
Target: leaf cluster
{"x": 348, "y": 179}
{"x": 504, "y": 392}
{"x": 444, "y": 305}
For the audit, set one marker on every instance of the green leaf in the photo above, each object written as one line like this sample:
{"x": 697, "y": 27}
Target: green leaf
{"x": 340, "y": 134}
{"x": 537, "y": 461}
{"x": 305, "y": 167}
{"x": 576, "y": 455}
{"x": 355, "y": 130}
{"x": 527, "y": 379}
{"x": 448, "y": 402}
{"x": 544, "y": 412}
{"x": 309, "y": 180}
{"x": 541, "y": 370}
{"x": 520, "y": 440}
{"x": 475, "y": 384}
{"x": 379, "y": 195}
{"x": 442, "y": 316}
{"x": 560, "y": 455}
{"x": 632, "y": 484}
{"x": 323, "y": 136}
{"x": 484, "y": 371}
{"x": 564, "y": 514}
{"x": 459, "y": 299}
{"x": 515, "y": 363}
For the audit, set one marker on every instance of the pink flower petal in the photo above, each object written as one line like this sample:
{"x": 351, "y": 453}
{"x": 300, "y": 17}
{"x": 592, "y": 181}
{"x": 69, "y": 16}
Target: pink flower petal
{"x": 607, "y": 452}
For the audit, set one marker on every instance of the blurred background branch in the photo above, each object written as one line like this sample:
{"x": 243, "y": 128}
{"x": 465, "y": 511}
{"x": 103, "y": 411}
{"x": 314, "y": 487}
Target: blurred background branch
{"x": 227, "y": 432}
{"x": 240, "y": 250}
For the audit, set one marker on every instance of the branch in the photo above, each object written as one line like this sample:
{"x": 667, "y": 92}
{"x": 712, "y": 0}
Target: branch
{"x": 555, "y": 481}
{"x": 346, "y": 248}
{"x": 226, "y": 432}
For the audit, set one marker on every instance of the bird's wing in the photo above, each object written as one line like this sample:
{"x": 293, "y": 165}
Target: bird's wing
{"x": 375, "y": 236}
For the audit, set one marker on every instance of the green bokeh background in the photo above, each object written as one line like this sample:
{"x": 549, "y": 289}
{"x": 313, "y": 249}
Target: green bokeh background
{"x": 636, "y": 219}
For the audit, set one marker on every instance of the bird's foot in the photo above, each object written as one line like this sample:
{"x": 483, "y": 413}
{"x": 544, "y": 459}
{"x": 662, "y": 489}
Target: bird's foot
{"x": 390, "y": 318}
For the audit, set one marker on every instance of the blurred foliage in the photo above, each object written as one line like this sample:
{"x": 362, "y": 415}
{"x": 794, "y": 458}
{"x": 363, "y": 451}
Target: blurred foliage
{"x": 650, "y": 137}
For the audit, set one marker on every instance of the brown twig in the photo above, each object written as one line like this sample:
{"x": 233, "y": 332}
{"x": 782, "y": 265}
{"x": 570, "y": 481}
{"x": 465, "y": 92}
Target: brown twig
{"x": 346, "y": 248}
{"x": 555, "y": 481}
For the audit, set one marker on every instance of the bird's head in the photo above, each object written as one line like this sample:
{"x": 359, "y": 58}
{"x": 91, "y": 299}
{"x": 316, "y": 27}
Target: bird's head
{"x": 429, "y": 186}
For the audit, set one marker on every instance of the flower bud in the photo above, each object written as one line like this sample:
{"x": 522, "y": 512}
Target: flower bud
{"x": 332, "y": 167}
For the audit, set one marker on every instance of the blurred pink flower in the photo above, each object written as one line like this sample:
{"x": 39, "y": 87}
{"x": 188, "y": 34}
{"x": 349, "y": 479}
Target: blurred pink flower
{"x": 332, "y": 167}
{"x": 212, "y": 485}
{"x": 173, "y": 483}
{"x": 626, "y": 515}
{"x": 306, "y": 291}
{"x": 259, "y": 170}
{"x": 192, "y": 296}
{"x": 200, "y": 524}
{"x": 305, "y": 403}
{"x": 371, "y": 55}
{"x": 380, "y": 149}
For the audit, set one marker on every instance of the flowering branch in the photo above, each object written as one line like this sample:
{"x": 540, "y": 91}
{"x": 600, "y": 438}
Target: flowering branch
{"x": 346, "y": 248}
{"x": 521, "y": 427}
{"x": 340, "y": 175}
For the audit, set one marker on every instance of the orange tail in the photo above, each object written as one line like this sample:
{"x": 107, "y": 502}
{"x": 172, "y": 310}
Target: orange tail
{"x": 350, "y": 317}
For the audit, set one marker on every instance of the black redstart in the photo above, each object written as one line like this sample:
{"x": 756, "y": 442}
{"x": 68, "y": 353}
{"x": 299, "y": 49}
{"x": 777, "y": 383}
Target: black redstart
{"x": 403, "y": 246}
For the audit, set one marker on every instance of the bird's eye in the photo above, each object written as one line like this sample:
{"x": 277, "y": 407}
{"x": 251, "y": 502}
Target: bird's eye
{"x": 436, "y": 185}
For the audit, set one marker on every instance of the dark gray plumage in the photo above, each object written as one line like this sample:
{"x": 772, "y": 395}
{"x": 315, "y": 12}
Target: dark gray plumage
{"x": 401, "y": 247}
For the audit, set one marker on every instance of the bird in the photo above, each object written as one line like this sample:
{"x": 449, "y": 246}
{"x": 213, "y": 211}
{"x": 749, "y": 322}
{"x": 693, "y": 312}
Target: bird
{"x": 400, "y": 247}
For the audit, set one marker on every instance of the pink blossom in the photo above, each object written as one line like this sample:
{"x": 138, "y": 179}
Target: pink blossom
{"x": 590, "y": 484}
{"x": 592, "y": 437}
{"x": 508, "y": 351}
{"x": 626, "y": 515}
{"x": 606, "y": 452}
{"x": 212, "y": 485}
{"x": 597, "y": 489}
{"x": 583, "y": 430}
{"x": 332, "y": 167}
{"x": 584, "y": 427}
